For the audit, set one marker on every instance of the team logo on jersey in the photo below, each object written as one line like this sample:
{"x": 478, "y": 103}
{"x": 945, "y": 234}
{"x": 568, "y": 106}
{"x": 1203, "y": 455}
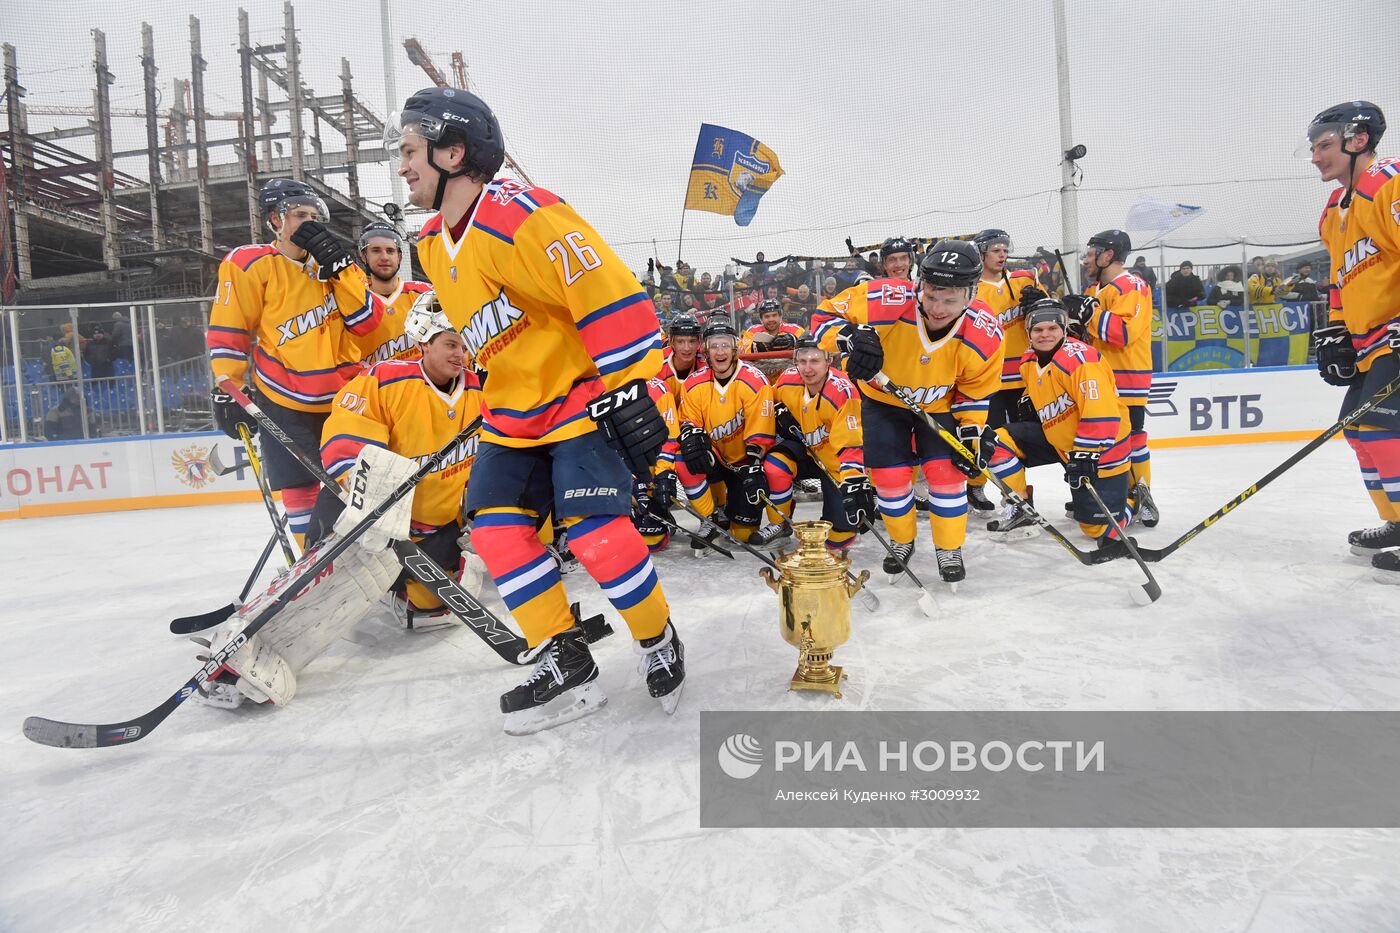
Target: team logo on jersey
{"x": 1363, "y": 253}
{"x": 927, "y": 395}
{"x": 720, "y": 431}
{"x": 1055, "y": 409}
{"x": 508, "y": 191}
{"x": 492, "y": 327}
{"x": 1395, "y": 210}
{"x": 306, "y": 321}
{"x": 191, "y": 466}
{"x": 892, "y": 294}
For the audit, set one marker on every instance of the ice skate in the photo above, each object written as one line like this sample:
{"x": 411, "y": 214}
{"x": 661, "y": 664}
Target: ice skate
{"x": 950, "y": 566}
{"x": 1013, "y": 523}
{"x": 663, "y": 665}
{"x": 977, "y": 499}
{"x": 1366, "y": 542}
{"x": 894, "y": 569}
{"x": 1387, "y": 567}
{"x": 560, "y": 689}
{"x": 773, "y": 537}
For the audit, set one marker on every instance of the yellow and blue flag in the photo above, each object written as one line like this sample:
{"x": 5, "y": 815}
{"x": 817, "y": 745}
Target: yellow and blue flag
{"x": 729, "y": 173}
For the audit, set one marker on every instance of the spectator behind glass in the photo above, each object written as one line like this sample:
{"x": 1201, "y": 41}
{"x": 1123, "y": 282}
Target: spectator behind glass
{"x": 120, "y": 332}
{"x": 64, "y": 422}
{"x": 1301, "y": 286}
{"x": 759, "y": 268}
{"x": 63, "y": 364}
{"x": 1143, "y": 271}
{"x": 1185, "y": 289}
{"x": 1264, "y": 286}
{"x": 98, "y": 353}
{"x": 829, "y": 288}
{"x": 1227, "y": 290}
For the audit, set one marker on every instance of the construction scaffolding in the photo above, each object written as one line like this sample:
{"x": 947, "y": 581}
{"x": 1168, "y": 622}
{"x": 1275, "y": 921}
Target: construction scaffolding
{"x": 82, "y": 229}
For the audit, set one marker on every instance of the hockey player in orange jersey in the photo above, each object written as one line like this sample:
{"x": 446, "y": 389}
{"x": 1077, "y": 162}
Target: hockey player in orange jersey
{"x": 286, "y": 307}
{"x": 771, "y": 333}
{"x": 568, "y": 339}
{"x": 682, "y": 354}
{"x": 381, "y": 252}
{"x": 1359, "y": 346}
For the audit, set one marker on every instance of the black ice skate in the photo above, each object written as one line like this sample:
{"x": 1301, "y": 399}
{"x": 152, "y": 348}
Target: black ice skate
{"x": 663, "y": 665}
{"x": 706, "y": 532}
{"x": 772, "y": 537}
{"x": 895, "y": 568}
{"x": 950, "y": 566}
{"x": 1368, "y": 541}
{"x": 1013, "y": 523}
{"x": 977, "y": 499}
{"x": 1146, "y": 505}
{"x": 1112, "y": 549}
{"x": 560, "y": 689}
{"x": 564, "y": 558}
{"x": 1387, "y": 567}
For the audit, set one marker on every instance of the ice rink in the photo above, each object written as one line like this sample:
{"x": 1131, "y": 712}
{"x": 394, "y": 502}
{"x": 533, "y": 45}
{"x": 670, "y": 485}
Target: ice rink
{"x": 386, "y": 797}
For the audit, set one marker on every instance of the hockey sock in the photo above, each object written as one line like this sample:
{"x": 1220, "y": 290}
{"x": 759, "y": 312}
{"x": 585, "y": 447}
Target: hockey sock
{"x": 894, "y": 497}
{"x": 613, "y": 553}
{"x": 840, "y": 540}
{"x": 742, "y": 531}
{"x": 1006, "y": 463}
{"x": 696, "y": 487}
{"x": 1378, "y": 454}
{"x": 947, "y": 494}
{"x": 526, "y": 575}
{"x": 298, "y": 501}
{"x": 780, "y": 471}
{"x": 1141, "y": 470}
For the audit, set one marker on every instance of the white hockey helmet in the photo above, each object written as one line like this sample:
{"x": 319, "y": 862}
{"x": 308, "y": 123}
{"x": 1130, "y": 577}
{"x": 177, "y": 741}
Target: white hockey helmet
{"x": 426, "y": 319}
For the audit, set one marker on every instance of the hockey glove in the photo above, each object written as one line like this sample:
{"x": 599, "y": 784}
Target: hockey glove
{"x": 664, "y": 488}
{"x": 332, "y": 256}
{"x": 864, "y": 355}
{"x": 1081, "y": 308}
{"x": 786, "y": 423}
{"x": 228, "y": 414}
{"x": 1336, "y": 356}
{"x": 1025, "y": 409}
{"x": 1082, "y": 467}
{"x": 1030, "y": 295}
{"x": 858, "y": 501}
{"x": 631, "y": 424}
{"x": 752, "y": 483}
{"x": 980, "y": 442}
{"x": 695, "y": 450}
{"x": 782, "y": 341}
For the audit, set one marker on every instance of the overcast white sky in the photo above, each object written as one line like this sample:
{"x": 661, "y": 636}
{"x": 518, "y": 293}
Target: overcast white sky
{"x": 914, "y": 118}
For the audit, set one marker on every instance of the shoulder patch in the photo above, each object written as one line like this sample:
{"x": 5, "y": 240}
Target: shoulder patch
{"x": 417, "y": 288}
{"x": 980, "y": 331}
{"x": 1075, "y": 353}
{"x": 1377, "y": 177}
{"x": 432, "y": 228}
{"x": 245, "y": 256}
{"x": 788, "y": 377}
{"x": 506, "y": 204}
{"x": 393, "y": 370}
{"x": 696, "y": 378}
{"x": 752, "y": 376}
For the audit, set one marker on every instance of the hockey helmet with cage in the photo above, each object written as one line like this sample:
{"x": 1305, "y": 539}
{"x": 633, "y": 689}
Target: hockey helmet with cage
{"x": 1047, "y": 311}
{"x": 719, "y": 327}
{"x": 683, "y": 325}
{"x": 444, "y": 116}
{"x": 426, "y": 319}
{"x": 986, "y": 239}
{"x": 278, "y": 194}
{"x": 951, "y": 264}
{"x": 1116, "y": 240}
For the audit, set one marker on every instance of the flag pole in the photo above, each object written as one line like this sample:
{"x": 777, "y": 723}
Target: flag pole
{"x": 680, "y": 239}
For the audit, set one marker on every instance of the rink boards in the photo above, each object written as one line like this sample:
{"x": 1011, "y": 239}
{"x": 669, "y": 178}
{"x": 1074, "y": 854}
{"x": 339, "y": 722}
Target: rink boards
{"x": 161, "y": 471}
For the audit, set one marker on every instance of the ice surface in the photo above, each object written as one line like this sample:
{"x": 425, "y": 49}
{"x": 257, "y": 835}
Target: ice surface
{"x": 385, "y": 797}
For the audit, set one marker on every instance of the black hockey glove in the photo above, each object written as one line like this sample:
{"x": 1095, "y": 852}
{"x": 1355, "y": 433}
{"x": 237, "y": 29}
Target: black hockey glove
{"x": 228, "y": 414}
{"x": 980, "y": 442}
{"x": 752, "y": 483}
{"x": 858, "y": 501}
{"x": 1336, "y": 356}
{"x": 332, "y": 256}
{"x": 783, "y": 341}
{"x": 1030, "y": 295}
{"x": 695, "y": 450}
{"x": 1025, "y": 409}
{"x": 1081, "y": 308}
{"x": 1082, "y": 467}
{"x": 664, "y": 488}
{"x": 864, "y": 355}
{"x": 786, "y": 423}
{"x": 631, "y": 424}
{"x": 647, "y": 510}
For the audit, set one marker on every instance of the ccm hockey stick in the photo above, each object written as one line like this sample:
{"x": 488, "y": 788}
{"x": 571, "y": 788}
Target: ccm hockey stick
{"x": 1384, "y": 392}
{"x": 511, "y": 647}
{"x": 188, "y": 625}
{"x": 255, "y": 462}
{"x": 304, "y": 572}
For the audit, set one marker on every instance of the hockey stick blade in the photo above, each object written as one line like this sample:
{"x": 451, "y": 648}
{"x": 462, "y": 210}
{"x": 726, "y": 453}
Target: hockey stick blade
{"x": 1151, "y": 589}
{"x": 188, "y": 625}
{"x": 217, "y": 465}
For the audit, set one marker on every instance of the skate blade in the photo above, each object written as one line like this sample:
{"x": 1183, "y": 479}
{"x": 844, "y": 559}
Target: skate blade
{"x": 1358, "y": 550}
{"x": 575, "y": 704}
{"x": 952, "y": 585}
{"x": 893, "y": 578}
{"x": 671, "y": 700}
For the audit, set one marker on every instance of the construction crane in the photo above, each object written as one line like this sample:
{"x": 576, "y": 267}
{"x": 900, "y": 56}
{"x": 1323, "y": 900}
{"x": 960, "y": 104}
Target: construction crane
{"x": 419, "y": 56}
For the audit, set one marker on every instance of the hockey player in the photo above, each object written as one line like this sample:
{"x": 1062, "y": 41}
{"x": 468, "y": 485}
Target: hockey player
{"x": 896, "y": 259}
{"x": 412, "y": 407}
{"x": 1008, "y": 295}
{"x": 381, "y": 252}
{"x": 568, "y": 339}
{"x": 1116, "y": 313}
{"x": 821, "y": 407}
{"x": 682, "y": 356}
{"x": 945, "y": 347}
{"x": 726, "y": 431}
{"x": 1080, "y": 423}
{"x": 771, "y": 333}
{"x": 287, "y": 305}
{"x": 1359, "y": 346}
{"x": 652, "y": 495}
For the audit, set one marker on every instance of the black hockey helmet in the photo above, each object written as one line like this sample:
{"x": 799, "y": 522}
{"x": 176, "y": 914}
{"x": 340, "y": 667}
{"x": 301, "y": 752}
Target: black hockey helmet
{"x": 1348, "y": 119}
{"x": 769, "y": 304}
{"x": 807, "y": 342}
{"x": 896, "y": 244}
{"x": 278, "y": 194}
{"x": 446, "y": 115}
{"x": 719, "y": 327}
{"x": 683, "y": 325}
{"x": 951, "y": 264}
{"x": 1116, "y": 240}
{"x": 1047, "y": 311}
{"x": 986, "y": 239}
{"x": 379, "y": 230}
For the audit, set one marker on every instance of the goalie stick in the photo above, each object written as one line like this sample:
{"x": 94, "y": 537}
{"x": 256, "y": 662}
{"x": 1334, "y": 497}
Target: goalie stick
{"x": 60, "y": 734}
{"x": 188, "y": 625}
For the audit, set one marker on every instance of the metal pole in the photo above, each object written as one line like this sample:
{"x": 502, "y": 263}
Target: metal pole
{"x": 1069, "y": 194}
{"x": 149, "y": 71}
{"x": 102, "y": 124}
{"x": 201, "y": 141}
{"x": 4, "y": 415}
{"x": 392, "y": 103}
{"x": 294, "y": 91}
{"x": 1247, "y": 309}
{"x": 1162, "y": 276}
{"x": 78, "y": 370}
{"x": 250, "y": 152}
{"x": 136, "y": 368}
{"x": 155, "y": 368}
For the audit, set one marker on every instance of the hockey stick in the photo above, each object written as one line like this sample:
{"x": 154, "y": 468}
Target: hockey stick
{"x": 1384, "y": 392}
{"x": 900, "y": 392}
{"x": 926, "y": 603}
{"x": 188, "y": 625}
{"x": 510, "y": 646}
{"x": 83, "y": 735}
{"x": 678, "y": 530}
{"x": 1151, "y": 589}
{"x": 255, "y": 462}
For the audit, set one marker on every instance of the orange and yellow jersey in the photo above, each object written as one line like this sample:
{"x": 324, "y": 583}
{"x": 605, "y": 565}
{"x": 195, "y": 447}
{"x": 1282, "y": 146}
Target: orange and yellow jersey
{"x": 1121, "y": 330}
{"x": 750, "y": 343}
{"x": 957, "y": 373}
{"x": 387, "y": 340}
{"x": 545, "y": 307}
{"x": 1078, "y": 404}
{"x": 836, "y": 312}
{"x": 1003, "y": 298}
{"x": 735, "y": 415}
{"x": 274, "y": 311}
{"x": 830, "y": 420}
{"x": 675, "y": 381}
{"x": 1363, "y": 244}
{"x": 661, "y": 394}
{"x": 395, "y": 406}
